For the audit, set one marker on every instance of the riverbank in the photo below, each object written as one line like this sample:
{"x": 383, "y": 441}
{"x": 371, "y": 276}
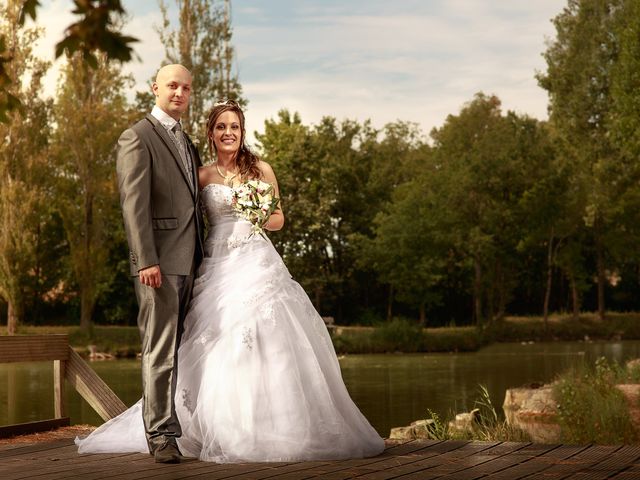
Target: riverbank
{"x": 399, "y": 335}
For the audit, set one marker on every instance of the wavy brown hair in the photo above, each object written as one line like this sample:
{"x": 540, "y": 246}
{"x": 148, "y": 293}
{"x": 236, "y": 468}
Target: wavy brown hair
{"x": 246, "y": 160}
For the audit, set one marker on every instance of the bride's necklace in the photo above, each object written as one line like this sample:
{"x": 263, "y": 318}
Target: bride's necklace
{"x": 227, "y": 179}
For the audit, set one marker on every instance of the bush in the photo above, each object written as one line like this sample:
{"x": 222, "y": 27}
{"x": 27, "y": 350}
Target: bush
{"x": 591, "y": 409}
{"x": 459, "y": 339}
{"x": 398, "y": 335}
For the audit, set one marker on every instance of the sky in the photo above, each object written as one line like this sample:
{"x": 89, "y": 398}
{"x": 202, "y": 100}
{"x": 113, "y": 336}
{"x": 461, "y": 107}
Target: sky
{"x": 411, "y": 60}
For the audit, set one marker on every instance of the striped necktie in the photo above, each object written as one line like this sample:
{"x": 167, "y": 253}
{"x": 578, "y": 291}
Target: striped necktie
{"x": 178, "y": 137}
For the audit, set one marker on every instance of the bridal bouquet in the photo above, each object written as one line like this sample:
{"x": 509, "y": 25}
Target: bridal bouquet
{"x": 255, "y": 201}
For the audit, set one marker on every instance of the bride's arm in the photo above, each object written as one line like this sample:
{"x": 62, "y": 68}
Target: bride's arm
{"x": 276, "y": 220}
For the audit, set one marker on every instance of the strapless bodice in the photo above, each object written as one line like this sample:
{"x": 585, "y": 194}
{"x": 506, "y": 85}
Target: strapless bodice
{"x": 216, "y": 203}
{"x": 227, "y": 229}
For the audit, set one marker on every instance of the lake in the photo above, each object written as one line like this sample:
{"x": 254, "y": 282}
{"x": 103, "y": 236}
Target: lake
{"x": 391, "y": 390}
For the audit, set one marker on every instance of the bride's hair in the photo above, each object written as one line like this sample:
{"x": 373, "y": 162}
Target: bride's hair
{"x": 246, "y": 160}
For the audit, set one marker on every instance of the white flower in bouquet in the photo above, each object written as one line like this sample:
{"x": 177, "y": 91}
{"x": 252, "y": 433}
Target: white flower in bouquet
{"x": 255, "y": 201}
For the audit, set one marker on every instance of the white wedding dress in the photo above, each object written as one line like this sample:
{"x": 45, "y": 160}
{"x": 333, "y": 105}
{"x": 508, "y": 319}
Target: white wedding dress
{"x": 258, "y": 378}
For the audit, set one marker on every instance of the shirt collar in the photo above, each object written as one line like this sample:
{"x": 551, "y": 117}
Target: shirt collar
{"x": 164, "y": 118}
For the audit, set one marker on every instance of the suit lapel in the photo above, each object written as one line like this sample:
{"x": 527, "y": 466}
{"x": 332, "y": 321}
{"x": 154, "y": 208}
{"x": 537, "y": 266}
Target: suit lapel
{"x": 164, "y": 136}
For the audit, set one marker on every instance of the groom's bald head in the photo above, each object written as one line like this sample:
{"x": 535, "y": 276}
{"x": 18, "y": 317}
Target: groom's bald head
{"x": 172, "y": 89}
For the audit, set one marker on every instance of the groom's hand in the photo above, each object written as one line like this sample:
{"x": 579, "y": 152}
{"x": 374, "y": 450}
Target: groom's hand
{"x": 151, "y": 276}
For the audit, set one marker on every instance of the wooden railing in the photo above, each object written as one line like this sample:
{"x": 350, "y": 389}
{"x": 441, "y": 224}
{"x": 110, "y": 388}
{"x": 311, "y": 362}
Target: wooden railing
{"x": 67, "y": 365}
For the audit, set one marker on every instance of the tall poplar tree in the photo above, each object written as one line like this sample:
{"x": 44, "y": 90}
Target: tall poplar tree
{"x": 91, "y": 112}
{"x": 23, "y": 166}
{"x": 202, "y": 43}
{"x": 578, "y": 78}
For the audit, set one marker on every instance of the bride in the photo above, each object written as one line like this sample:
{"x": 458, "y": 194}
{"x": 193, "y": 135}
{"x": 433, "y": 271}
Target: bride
{"x": 258, "y": 378}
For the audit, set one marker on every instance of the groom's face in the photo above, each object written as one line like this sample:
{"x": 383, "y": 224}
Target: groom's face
{"x": 172, "y": 89}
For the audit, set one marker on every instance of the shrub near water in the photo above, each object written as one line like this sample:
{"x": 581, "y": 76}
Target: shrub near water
{"x": 407, "y": 336}
{"x": 591, "y": 409}
{"x": 400, "y": 335}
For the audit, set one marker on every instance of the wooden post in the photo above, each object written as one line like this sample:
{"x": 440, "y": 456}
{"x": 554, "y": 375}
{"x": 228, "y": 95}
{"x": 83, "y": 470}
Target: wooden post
{"x": 59, "y": 403}
{"x": 91, "y": 387}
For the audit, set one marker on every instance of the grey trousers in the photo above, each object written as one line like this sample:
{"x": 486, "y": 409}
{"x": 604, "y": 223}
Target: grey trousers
{"x": 160, "y": 321}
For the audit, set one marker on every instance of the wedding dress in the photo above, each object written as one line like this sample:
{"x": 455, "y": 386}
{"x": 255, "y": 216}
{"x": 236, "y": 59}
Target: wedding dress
{"x": 258, "y": 378}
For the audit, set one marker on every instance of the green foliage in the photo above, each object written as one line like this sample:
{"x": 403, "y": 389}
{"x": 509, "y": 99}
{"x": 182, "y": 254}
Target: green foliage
{"x": 590, "y": 408}
{"x": 400, "y": 334}
{"x": 566, "y": 328}
{"x": 118, "y": 341}
{"x": 591, "y": 73}
{"x": 90, "y": 105}
{"x": 24, "y": 207}
{"x": 488, "y": 425}
{"x": 403, "y": 335}
{"x": 438, "y": 429}
{"x": 94, "y": 32}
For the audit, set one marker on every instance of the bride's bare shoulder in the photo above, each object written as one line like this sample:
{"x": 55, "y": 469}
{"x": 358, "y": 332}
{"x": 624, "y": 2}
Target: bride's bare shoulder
{"x": 206, "y": 175}
{"x": 266, "y": 170}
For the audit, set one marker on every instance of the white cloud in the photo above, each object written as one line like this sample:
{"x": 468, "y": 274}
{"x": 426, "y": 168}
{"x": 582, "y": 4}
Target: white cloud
{"x": 415, "y": 66}
{"x": 412, "y": 60}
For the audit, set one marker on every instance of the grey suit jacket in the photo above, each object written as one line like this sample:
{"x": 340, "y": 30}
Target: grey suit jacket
{"x": 160, "y": 210}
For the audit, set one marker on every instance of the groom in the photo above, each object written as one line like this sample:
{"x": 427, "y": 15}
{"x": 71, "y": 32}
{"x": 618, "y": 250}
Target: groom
{"x": 157, "y": 168}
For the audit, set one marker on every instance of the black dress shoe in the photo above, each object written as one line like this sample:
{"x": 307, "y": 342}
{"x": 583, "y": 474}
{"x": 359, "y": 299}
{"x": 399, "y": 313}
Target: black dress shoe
{"x": 167, "y": 453}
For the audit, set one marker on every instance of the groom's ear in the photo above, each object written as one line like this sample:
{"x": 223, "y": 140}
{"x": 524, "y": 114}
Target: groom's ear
{"x": 154, "y": 88}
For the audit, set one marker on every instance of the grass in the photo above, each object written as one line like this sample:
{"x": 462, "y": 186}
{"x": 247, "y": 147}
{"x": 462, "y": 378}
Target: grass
{"x": 591, "y": 409}
{"x": 403, "y": 335}
{"x": 488, "y": 425}
{"x": 564, "y": 327}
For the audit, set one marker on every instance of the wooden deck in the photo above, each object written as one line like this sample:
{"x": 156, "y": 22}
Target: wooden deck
{"x": 450, "y": 460}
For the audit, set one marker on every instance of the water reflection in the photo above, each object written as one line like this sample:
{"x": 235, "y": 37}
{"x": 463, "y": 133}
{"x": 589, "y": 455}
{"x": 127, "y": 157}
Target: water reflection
{"x": 391, "y": 390}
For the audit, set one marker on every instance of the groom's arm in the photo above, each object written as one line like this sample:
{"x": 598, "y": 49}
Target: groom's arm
{"x": 133, "y": 167}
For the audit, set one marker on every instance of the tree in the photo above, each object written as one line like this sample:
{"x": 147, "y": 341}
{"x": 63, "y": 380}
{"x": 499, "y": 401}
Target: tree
{"x": 486, "y": 164}
{"x": 202, "y": 43}
{"x": 406, "y": 251}
{"x": 23, "y": 167}
{"x": 91, "y": 111}
{"x": 94, "y": 31}
{"x": 580, "y": 64}
{"x": 287, "y": 146}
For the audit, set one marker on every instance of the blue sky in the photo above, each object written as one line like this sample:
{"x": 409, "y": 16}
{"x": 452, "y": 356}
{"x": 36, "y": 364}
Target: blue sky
{"x": 363, "y": 59}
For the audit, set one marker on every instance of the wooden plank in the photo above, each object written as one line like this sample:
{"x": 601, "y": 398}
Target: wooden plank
{"x": 530, "y": 461}
{"x": 620, "y": 460}
{"x": 457, "y": 463}
{"x": 390, "y": 467}
{"x": 65, "y": 459}
{"x": 631, "y": 473}
{"x": 92, "y": 388}
{"x": 7, "y": 431}
{"x": 59, "y": 403}
{"x": 489, "y": 461}
{"x": 33, "y": 348}
{"x": 440, "y": 460}
{"x": 33, "y": 449}
{"x": 557, "y": 465}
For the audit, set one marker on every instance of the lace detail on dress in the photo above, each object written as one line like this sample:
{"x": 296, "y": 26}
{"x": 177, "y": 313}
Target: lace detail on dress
{"x": 216, "y": 202}
{"x": 186, "y": 400}
{"x": 247, "y": 338}
{"x": 233, "y": 241}
{"x": 268, "y": 312}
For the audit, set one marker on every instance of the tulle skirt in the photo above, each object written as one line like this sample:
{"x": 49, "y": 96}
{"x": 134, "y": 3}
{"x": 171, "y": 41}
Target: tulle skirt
{"x": 258, "y": 378}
